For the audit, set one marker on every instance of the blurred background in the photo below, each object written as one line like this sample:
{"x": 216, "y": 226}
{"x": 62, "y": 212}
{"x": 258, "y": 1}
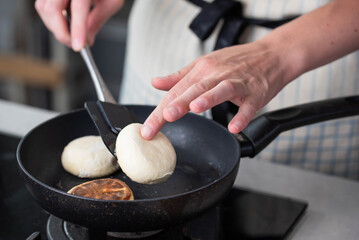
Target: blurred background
{"x": 38, "y": 71}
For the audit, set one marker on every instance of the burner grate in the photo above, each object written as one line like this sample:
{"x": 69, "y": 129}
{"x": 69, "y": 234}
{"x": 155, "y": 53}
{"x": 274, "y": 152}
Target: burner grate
{"x": 57, "y": 229}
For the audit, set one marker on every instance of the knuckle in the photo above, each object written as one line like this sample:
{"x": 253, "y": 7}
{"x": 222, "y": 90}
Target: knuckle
{"x": 228, "y": 84}
{"x": 156, "y": 119}
{"x": 170, "y": 96}
{"x": 206, "y": 63}
{"x": 259, "y": 86}
{"x": 177, "y": 74}
{"x": 202, "y": 86}
{"x": 244, "y": 65}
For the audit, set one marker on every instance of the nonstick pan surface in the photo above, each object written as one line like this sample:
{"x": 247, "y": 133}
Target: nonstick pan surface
{"x": 207, "y": 164}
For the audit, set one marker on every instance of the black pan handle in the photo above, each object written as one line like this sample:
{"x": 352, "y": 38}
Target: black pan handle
{"x": 264, "y": 129}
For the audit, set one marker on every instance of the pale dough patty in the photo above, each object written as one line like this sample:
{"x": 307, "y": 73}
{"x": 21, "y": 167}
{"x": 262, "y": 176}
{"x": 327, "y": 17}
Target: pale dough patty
{"x": 145, "y": 161}
{"x": 88, "y": 157}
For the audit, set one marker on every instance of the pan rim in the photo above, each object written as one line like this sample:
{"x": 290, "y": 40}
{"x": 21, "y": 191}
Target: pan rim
{"x": 135, "y": 201}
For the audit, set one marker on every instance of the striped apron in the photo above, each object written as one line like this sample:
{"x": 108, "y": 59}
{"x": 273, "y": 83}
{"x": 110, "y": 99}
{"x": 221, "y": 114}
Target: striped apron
{"x": 160, "y": 43}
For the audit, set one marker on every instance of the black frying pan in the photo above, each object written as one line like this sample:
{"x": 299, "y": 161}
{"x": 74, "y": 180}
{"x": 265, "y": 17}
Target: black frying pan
{"x": 207, "y": 165}
{"x": 205, "y": 171}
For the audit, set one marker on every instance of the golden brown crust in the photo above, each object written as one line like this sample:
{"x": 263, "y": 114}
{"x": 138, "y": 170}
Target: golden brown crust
{"x": 104, "y": 188}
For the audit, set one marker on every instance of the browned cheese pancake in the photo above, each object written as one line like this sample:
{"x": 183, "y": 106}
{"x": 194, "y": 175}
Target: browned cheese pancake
{"x": 104, "y": 188}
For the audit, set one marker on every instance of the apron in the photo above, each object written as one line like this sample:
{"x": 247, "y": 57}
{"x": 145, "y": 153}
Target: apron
{"x": 160, "y": 42}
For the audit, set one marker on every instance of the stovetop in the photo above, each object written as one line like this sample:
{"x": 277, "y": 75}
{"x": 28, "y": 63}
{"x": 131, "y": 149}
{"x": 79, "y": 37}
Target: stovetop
{"x": 243, "y": 214}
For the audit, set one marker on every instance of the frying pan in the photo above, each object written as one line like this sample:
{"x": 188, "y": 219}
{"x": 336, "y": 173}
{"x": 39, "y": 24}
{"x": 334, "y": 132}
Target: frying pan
{"x": 207, "y": 165}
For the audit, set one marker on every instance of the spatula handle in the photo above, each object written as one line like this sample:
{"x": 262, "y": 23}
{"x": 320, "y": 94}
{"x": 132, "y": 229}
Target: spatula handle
{"x": 103, "y": 93}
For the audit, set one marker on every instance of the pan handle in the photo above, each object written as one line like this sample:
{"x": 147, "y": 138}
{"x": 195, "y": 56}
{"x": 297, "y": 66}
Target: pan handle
{"x": 265, "y": 128}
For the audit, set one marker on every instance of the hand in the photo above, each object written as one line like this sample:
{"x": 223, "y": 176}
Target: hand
{"x": 85, "y": 23}
{"x": 251, "y": 75}
{"x": 247, "y": 75}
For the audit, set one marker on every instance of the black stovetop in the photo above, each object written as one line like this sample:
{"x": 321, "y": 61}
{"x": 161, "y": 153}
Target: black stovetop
{"x": 244, "y": 214}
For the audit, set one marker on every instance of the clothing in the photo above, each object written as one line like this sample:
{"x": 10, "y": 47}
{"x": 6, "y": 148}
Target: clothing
{"x": 160, "y": 43}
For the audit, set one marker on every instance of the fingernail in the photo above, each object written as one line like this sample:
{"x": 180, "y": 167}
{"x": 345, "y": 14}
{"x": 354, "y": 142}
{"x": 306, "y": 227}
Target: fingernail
{"x": 77, "y": 45}
{"x": 200, "y": 104}
{"x": 146, "y": 131}
{"x": 171, "y": 112}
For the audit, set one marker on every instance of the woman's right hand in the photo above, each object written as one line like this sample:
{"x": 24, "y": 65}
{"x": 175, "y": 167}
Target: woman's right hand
{"x": 85, "y": 21}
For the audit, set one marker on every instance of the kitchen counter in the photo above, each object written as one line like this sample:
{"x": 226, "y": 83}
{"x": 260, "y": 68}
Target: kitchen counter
{"x": 333, "y": 211}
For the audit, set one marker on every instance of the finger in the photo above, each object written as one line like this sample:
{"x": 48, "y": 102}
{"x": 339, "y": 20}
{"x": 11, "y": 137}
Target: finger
{"x": 155, "y": 120}
{"x": 180, "y": 106}
{"x": 153, "y": 124}
{"x": 100, "y": 13}
{"x": 226, "y": 90}
{"x": 244, "y": 115}
{"x": 51, "y": 14}
{"x": 166, "y": 83}
{"x": 79, "y": 12}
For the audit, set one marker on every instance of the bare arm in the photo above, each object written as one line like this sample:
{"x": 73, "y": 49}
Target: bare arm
{"x": 320, "y": 36}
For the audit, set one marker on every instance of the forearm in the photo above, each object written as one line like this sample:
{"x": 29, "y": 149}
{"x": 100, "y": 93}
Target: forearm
{"x": 318, "y": 37}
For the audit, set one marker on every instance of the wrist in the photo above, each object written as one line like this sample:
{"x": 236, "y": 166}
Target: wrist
{"x": 290, "y": 55}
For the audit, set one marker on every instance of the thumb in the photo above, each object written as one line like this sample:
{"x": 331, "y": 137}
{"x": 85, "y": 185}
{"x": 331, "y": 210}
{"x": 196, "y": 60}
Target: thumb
{"x": 166, "y": 83}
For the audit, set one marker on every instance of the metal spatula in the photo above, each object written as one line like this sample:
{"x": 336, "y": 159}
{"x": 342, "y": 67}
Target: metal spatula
{"x": 109, "y": 117}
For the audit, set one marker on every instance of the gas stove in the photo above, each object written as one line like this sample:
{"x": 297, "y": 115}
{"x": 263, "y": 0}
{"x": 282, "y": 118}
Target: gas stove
{"x": 243, "y": 214}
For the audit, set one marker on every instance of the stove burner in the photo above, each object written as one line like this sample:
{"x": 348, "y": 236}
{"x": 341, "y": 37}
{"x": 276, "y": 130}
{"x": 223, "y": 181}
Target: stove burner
{"x": 203, "y": 227}
{"x": 57, "y": 229}
{"x": 133, "y": 235}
